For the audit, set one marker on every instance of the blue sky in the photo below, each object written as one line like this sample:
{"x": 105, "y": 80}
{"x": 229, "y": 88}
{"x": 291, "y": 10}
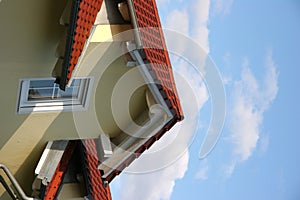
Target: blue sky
{"x": 255, "y": 45}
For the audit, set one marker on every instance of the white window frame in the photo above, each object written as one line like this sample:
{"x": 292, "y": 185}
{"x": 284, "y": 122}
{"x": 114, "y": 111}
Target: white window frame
{"x": 80, "y": 103}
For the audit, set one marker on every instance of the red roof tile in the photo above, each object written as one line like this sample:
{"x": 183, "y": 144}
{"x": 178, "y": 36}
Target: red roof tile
{"x": 83, "y": 16}
{"x": 53, "y": 186}
{"x": 156, "y": 51}
{"x": 95, "y": 183}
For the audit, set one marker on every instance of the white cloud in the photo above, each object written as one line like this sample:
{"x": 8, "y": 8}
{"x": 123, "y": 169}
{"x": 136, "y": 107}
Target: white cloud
{"x": 263, "y": 143}
{"x": 154, "y": 186}
{"x": 162, "y": 1}
{"x": 281, "y": 184}
{"x": 191, "y": 20}
{"x": 179, "y": 21}
{"x": 230, "y": 168}
{"x": 200, "y": 21}
{"x": 221, "y": 6}
{"x": 227, "y": 63}
{"x": 251, "y": 99}
{"x": 203, "y": 171}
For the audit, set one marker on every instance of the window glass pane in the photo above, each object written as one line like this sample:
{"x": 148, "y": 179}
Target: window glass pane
{"x": 40, "y": 94}
{"x": 45, "y": 95}
{"x": 41, "y": 83}
{"x": 70, "y": 92}
{"x": 48, "y": 90}
{"x": 75, "y": 82}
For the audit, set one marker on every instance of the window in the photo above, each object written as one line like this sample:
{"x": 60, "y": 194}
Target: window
{"x": 43, "y": 95}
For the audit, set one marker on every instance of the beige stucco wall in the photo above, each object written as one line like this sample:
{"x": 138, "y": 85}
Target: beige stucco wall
{"x": 28, "y": 39}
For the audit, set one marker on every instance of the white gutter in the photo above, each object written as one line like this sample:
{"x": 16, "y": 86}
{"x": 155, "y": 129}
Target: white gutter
{"x": 158, "y": 120}
{"x": 161, "y": 115}
{"x": 135, "y": 54}
{"x": 134, "y": 48}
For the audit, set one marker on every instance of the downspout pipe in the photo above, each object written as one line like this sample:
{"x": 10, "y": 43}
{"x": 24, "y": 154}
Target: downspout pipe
{"x": 134, "y": 23}
{"x": 15, "y": 183}
{"x": 135, "y": 54}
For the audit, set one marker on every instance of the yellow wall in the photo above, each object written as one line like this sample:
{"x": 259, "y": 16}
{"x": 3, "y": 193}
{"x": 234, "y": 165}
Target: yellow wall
{"x": 28, "y": 36}
{"x": 28, "y": 39}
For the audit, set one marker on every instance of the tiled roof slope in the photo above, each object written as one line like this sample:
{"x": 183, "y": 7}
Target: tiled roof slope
{"x": 95, "y": 188}
{"x": 83, "y": 15}
{"x": 156, "y": 52}
{"x": 95, "y": 184}
{"x": 52, "y": 189}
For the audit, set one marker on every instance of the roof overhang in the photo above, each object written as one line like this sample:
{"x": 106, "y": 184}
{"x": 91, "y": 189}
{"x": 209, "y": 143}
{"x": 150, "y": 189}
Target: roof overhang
{"x": 149, "y": 40}
{"x": 150, "y": 53}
